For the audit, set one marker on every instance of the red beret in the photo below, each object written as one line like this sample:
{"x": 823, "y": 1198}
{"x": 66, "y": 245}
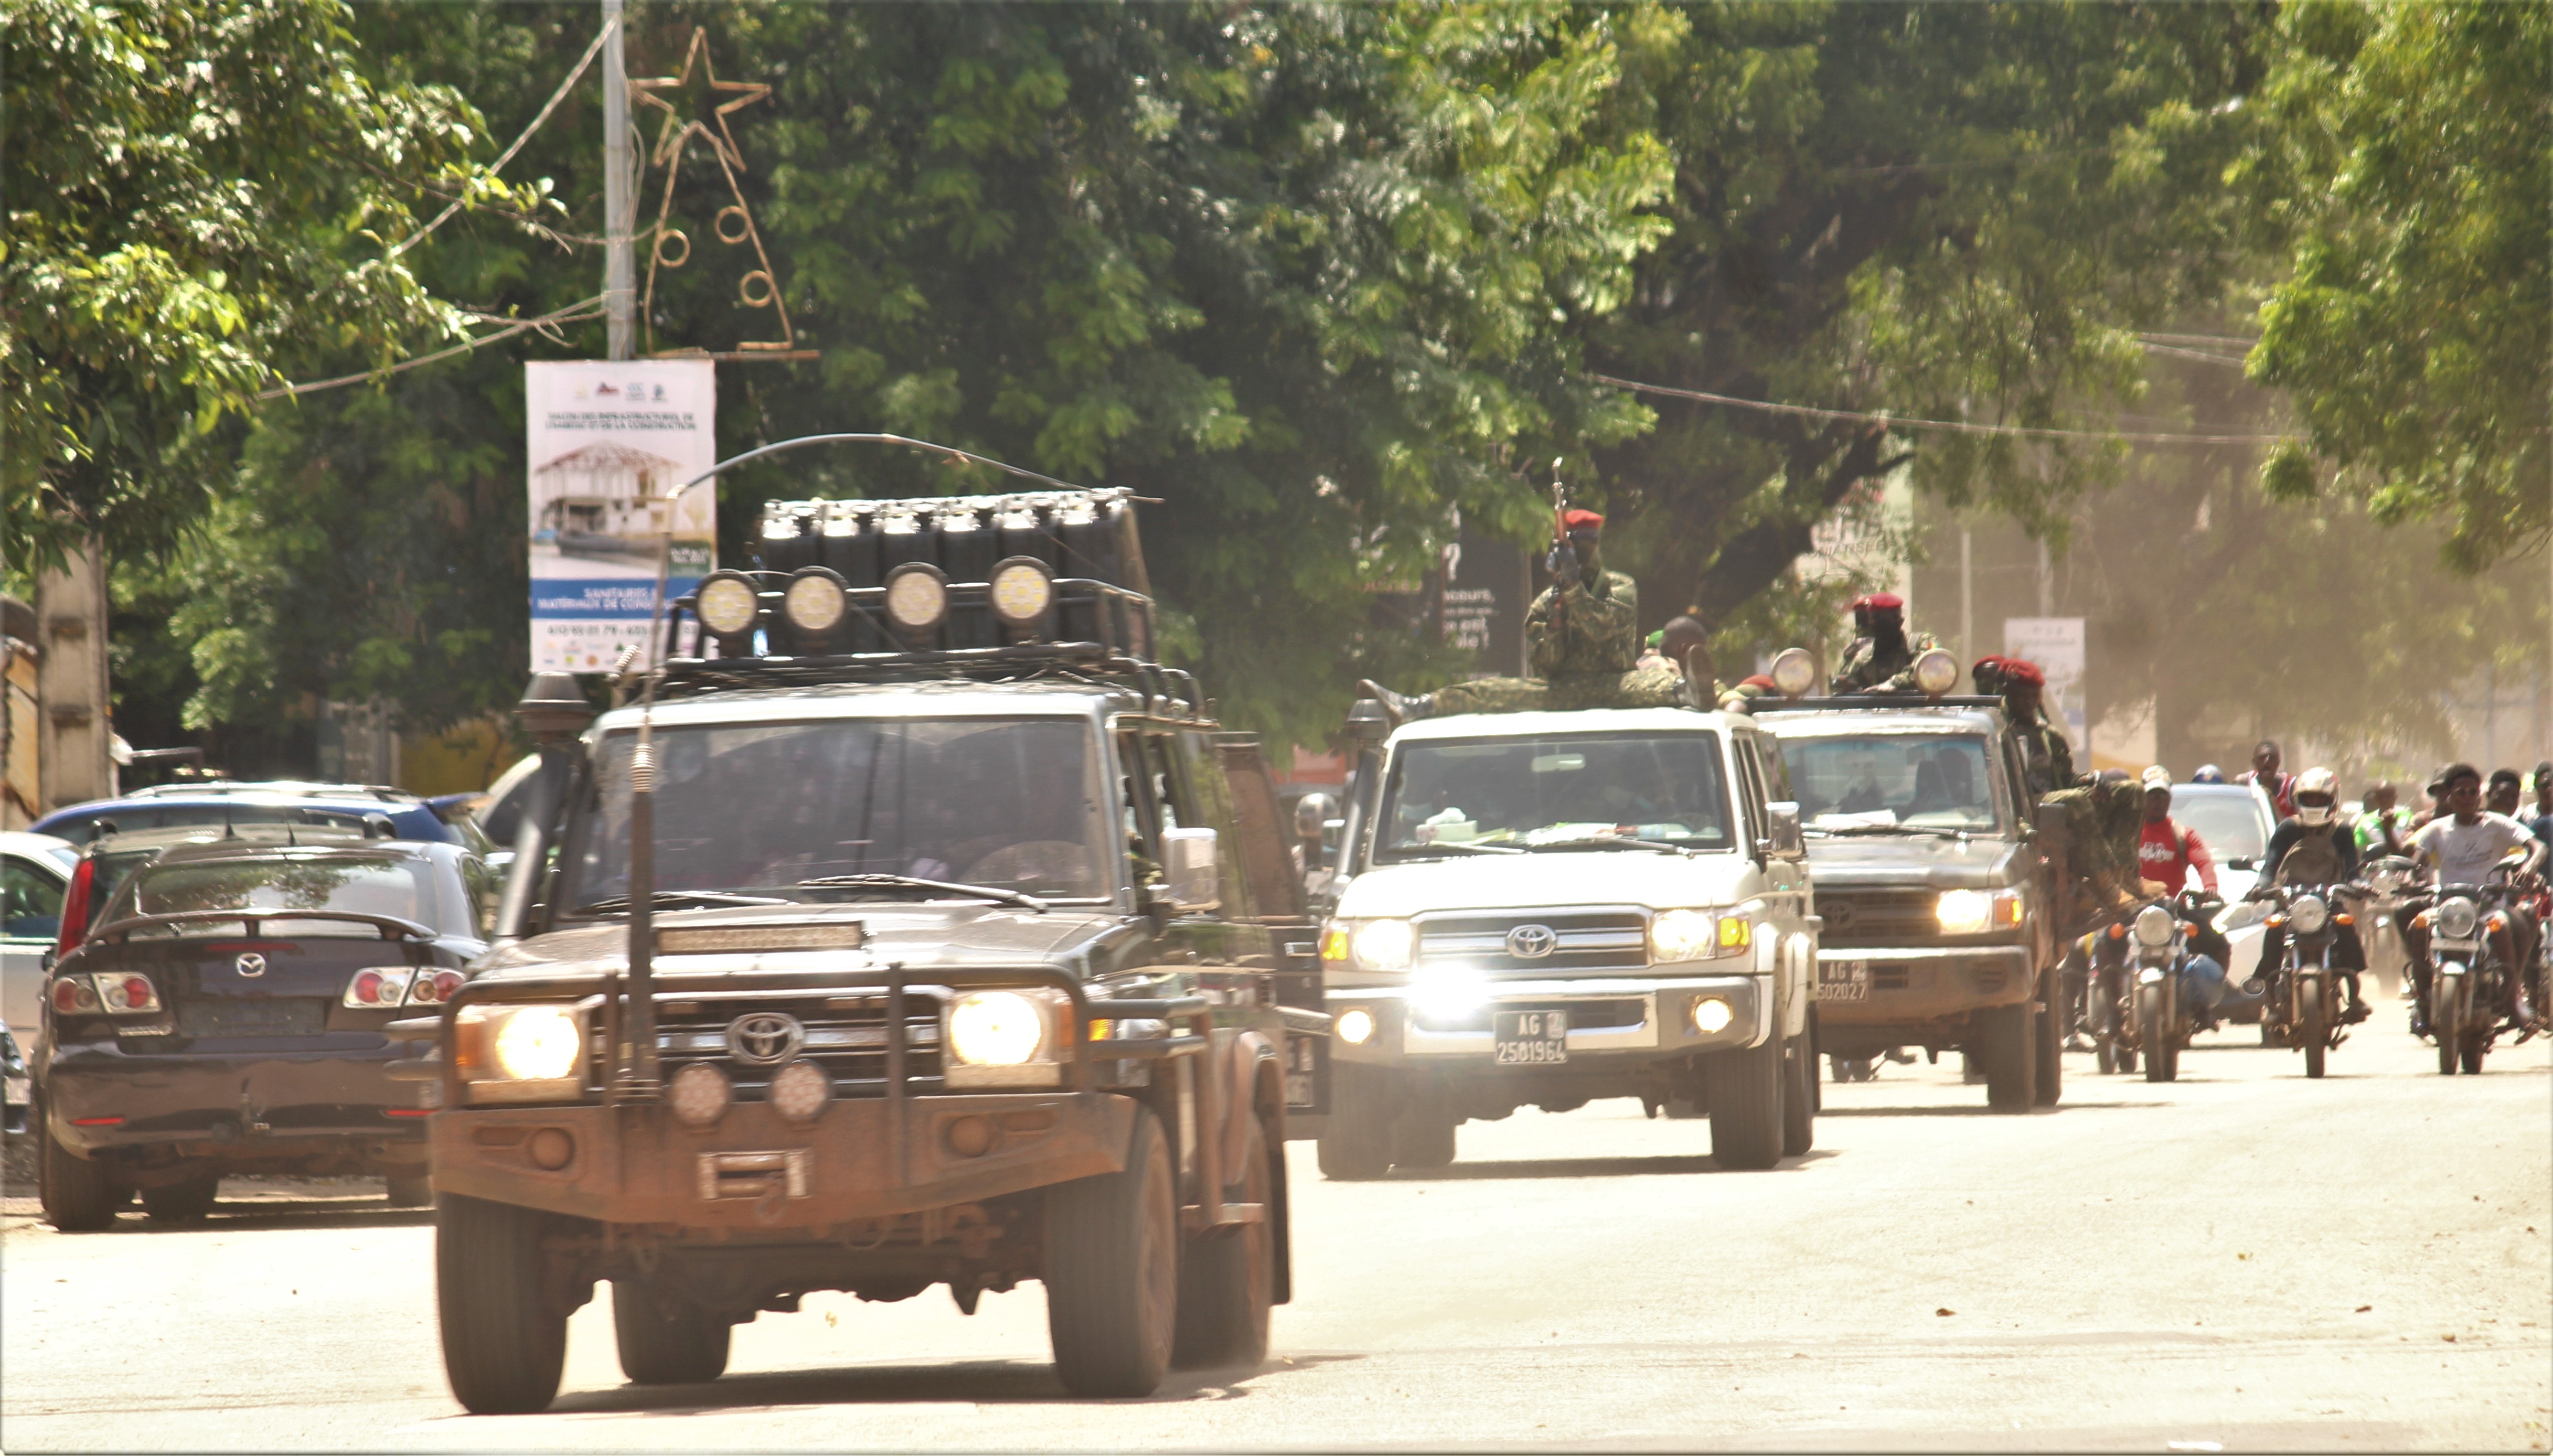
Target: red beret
{"x": 1582, "y": 520}
{"x": 2018, "y": 671}
{"x": 1880, "y": 601}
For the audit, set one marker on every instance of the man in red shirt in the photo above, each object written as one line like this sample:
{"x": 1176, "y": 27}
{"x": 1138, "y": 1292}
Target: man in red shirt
{"x": 2265, "y": 771}
{"x": 2165, "y": 851}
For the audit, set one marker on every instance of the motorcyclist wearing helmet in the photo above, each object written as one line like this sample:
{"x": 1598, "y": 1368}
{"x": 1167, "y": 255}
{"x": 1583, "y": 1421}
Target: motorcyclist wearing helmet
{"x": 2315, "y": 848}
{"x": 2208, "y": 773}
{"x": 2465, "y": 847}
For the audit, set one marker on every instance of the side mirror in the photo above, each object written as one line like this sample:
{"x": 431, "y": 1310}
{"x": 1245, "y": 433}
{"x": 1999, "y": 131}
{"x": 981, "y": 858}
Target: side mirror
{"x": 1191, "y": 869}
{"x": 1785, "y": 841}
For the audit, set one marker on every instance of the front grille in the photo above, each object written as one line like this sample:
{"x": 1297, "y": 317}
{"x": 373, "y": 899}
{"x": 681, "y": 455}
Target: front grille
{"x": 1630, "y": 1012}
{"x": 1598, "y": 939}
{"x": 1878, "y": 917}
{"x": 1888, "y": 978}
{"x": 846, "y": 1035}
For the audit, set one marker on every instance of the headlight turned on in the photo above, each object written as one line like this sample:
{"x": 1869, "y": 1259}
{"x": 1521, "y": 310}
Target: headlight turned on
{"x": 1711, "y": 1015}
{"x": 1003, "y": 1038}
{"x": 1699, "y": 935}
{"x": 1356, "y": 1025}
{"x": 1384, "y": 944}
{"x": 521, "y": 1054}
{"x": 1974, "y": 912}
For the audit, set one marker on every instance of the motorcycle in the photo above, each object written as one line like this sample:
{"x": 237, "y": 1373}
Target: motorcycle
{"x": 2303, "y": 1009}
{"x": 2471, "y": 982}
{"x": 2159, "y": 1018}
{"x": 2107, "y": 973}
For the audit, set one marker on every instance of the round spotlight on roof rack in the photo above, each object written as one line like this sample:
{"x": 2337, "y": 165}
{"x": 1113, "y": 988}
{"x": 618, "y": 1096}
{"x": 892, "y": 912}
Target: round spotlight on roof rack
{"x": 916, "y": 598}
{"x": 814, "y": 606}
{"x": 728, "y": 609}
{"x": 1023, "y": 593}
{"x": 1935, "y": 672}
{"x": 1794, "y": 672}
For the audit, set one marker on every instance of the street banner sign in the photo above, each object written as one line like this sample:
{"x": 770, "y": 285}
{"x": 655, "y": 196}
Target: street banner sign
{"x": 607, "y": 442}
{"x": 2055, "y": 643}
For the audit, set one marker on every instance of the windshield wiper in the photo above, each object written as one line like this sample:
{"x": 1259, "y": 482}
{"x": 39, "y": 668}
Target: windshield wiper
{"x": 909, "y": 883}
{"x": 1445, "y": 847}
{"x": 1936, "y": 831}
{"x": 675, "y": 899}
{"x": 1608, "y": 841}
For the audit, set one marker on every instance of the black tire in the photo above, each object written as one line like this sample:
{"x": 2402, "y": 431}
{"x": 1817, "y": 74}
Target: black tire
{"x": 2050, "y": 1084}
{"x": 2448, "y": 1025}
{"x": 1112, "y": 1272}
{"x": 1424, "y": 1137}
{"x": 412, "y": 1192}
{"x": 79, "y": 1195}
{"x": 2474, "y": 1052}
{"x": 1228, "y": 1277}
{"x": 1745, "y": 1093}
{"x": 1683, "y": 1109}
{"x": 179, "y": 1202}
{"x": 2312, "y": 1031}
{"x": 1799, "y": 1098}
{"x": 503, "y": 1341}
{"x": 1356, "y": 1145}
{"x": 2153, "y": 1035}
{"x": 2105, "y": 1058}
{"x": 2008, "y": 1044}
{"x": 2127, "y": 1060}
{"x": 665, "y": 1339}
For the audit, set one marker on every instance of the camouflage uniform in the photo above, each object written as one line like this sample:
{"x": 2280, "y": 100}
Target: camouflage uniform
{"x": 1587, "y": 658}
{"x": 2047, "y": 759}
{"x": 2102, "y": 824}
{"x": 1589, "y": 626}
{"x": 1869, "y": 668}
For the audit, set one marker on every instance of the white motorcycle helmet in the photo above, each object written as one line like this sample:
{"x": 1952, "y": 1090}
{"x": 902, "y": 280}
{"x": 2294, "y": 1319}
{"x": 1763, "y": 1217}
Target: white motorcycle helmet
{"x": 2317, "y": 797}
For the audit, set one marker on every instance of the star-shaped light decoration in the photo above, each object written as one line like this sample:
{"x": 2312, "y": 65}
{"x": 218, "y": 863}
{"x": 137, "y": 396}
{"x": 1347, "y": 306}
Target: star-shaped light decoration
{"x": 677, "y": 128}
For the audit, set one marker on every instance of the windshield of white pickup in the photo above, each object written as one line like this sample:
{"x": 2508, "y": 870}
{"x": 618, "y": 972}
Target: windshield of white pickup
{"x": 1554, "y": 790}
{"x": 1941, "y": 780}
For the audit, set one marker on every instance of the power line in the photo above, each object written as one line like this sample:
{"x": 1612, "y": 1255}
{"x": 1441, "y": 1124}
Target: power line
{"x": 573, "y": 314}
{"x": 2200, "y": 339}
{"x": 538, "y": 122}
{"x": 1949, "y": 426}
{"x": 2199, "y": 354}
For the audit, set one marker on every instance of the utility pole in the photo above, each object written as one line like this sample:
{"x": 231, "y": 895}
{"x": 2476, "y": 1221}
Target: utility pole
{"x": 1968, "y": 595}
{"x": 620, "y": 212}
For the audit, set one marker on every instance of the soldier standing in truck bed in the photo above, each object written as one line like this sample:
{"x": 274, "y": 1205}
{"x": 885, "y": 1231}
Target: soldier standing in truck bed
{"x": 1882, "y": 658}
{"x": 1583, "y": 647}
{"x": 2049, "y": 758}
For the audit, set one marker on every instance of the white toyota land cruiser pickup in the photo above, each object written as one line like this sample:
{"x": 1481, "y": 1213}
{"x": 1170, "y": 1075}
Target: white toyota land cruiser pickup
{"x": 1547, "y": 908}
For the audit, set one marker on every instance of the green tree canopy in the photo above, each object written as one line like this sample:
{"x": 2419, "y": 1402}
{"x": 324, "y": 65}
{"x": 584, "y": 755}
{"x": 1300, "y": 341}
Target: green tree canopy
{"x": 2415, "y": 334}
{"x": 1311, "y": 277}
{"x": 1943, "y": 211}
{"x": 195, "y": 197}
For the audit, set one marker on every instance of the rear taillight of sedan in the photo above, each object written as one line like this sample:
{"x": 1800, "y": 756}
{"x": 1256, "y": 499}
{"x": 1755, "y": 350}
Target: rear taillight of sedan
{"x": 118, "y": 992}
{"x": 383, "y": 986}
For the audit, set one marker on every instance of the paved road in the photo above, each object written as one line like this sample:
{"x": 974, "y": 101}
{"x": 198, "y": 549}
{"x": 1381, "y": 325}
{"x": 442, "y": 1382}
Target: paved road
{"x": 2244, "y": 1259}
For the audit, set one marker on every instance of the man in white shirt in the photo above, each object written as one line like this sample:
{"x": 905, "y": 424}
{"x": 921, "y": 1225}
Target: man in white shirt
{"x": 2462, "y": 847}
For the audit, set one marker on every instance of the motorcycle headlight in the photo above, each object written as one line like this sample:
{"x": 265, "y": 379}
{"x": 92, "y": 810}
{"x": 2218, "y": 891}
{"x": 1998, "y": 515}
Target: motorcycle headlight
{"x": 2153, "y": 928}
{"x": 2458, "y": 918}
{"x": 521, "y": 1054}
{"x": 2307, "y": 914}
{"x": 1385, "y": 945}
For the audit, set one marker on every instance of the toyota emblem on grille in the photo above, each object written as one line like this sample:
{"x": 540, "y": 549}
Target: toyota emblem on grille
{"x": 764, "y": 1037}
{"x": 1531, "y": 941}
{"x": 1840, "y": 914}
{"x": 252, "y": 964}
